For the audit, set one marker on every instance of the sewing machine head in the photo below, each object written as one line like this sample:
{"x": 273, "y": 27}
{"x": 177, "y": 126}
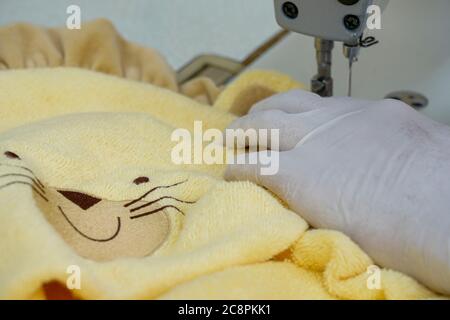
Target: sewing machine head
{"x": 337, "y": 20}
{"x": 328, "y": 21}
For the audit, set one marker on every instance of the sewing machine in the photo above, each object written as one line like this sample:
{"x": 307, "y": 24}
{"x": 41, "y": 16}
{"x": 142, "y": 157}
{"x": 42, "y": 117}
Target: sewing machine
{"x": 329, "y": 21}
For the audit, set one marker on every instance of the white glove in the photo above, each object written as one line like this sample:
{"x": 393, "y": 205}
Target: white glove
{"x": 377, "y": 171}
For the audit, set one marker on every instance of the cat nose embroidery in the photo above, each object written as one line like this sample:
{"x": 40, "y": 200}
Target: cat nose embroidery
{"x": 82, "y": 200}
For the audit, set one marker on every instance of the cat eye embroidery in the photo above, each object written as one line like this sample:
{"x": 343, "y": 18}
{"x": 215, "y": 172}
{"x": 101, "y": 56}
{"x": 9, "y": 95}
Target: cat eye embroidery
{"x": 11, "y": 155}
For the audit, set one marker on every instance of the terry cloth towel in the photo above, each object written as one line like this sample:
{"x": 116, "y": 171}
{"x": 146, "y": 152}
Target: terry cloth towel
{"x": 97, "y": 46}
{"x": 91, "y": 201}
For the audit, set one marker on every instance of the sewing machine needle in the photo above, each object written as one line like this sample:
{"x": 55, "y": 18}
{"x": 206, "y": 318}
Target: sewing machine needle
{"x": 350, "y": 77}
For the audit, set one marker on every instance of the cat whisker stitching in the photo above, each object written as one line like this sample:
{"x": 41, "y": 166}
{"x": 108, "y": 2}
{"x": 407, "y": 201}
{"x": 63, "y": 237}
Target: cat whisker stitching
{"x": 151, "y": 190}
{"x": 155, "y": 211}
{"x": 160, "y": 199}
{"x": 27, "y": 184}
{"x": 19, "y": 175}
{"x": 26, "y": 169}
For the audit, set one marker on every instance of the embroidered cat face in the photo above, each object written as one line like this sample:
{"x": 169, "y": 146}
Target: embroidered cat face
{"x": 101, "y": 229}
{"x": 90, "y": 214}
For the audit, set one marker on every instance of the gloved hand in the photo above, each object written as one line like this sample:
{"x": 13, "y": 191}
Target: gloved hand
{"x": 377, "y": 171}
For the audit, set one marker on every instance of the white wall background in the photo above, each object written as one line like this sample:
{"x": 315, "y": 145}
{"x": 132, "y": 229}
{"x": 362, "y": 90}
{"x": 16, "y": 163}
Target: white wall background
{"x": 180, "y": 29}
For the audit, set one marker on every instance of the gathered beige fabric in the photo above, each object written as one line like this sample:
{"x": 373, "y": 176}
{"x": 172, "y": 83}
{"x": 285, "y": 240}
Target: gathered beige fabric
{"x": 97, "y": 46}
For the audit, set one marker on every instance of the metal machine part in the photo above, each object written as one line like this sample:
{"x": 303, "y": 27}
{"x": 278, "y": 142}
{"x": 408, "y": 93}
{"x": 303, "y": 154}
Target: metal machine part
{"x": 337, "y": 20}
{"x": 328, "y": 21}
{"x": 351, "y": 53}
{"x": 322, "y": 82}
{"x": 221, "y": 69}
{"x": 414, "y": 99}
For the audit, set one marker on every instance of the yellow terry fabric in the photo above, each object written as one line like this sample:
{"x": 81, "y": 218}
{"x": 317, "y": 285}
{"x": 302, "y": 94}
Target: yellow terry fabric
{"x": 235, "y": 241}
{"x": 53, "y": 92}
{"x": 252, "y": 87}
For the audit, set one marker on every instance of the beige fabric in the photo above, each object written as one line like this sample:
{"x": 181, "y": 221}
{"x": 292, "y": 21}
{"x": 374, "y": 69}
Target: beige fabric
{"x": 97, "y": 46}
